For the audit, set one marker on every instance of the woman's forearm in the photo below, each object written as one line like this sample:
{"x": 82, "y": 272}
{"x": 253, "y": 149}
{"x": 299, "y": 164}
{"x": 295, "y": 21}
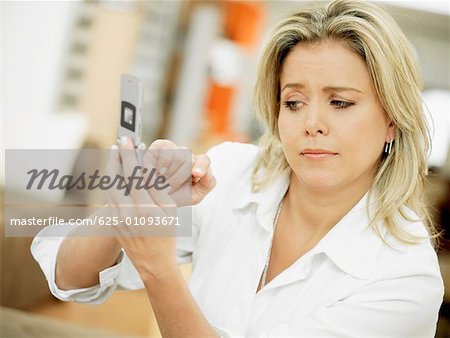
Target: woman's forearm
{"x": 175, "y": 309}
{"x": 80, "y": 259}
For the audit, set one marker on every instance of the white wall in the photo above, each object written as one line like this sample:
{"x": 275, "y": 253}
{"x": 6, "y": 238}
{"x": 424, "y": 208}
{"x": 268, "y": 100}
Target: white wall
{"x": 33, "y": 43}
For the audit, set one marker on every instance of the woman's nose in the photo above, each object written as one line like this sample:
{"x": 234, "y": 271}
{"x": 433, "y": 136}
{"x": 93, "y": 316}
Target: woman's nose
{"x": 315, "y": 123}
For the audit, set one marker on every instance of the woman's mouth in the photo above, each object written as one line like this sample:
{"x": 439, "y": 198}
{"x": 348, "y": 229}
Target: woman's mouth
{"x": 318, "y": 153}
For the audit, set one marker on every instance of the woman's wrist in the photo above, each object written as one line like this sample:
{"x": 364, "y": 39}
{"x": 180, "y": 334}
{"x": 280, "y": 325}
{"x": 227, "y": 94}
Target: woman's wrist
{"x": 158, "y": 272}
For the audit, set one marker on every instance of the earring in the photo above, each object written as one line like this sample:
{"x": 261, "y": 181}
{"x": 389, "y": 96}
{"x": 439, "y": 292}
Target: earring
{"x": 388, "y": 147}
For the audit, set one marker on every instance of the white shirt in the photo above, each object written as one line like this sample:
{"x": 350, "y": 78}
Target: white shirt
{"x": 349, "y": 285}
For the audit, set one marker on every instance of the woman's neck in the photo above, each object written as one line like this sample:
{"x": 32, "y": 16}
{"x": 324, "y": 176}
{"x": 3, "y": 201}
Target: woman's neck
{"x": 316, "y": 211}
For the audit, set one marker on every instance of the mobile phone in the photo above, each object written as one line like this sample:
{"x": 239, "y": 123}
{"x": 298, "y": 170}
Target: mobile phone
{"x": 131, "y": 97}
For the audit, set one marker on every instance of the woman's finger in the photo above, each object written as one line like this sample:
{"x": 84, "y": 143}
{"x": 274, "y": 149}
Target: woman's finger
{"x": 206, "y": 183}
{"x": 200, "y": 167}
{"x": 182, "y": 165}
{"x": 114, "y": 170}
{"x": 162, "y": 149}
{"x": 174, "y": 162}
{"x": 135, "y": 175}
{"x": 128, "y": 157}
{"x": 113, "y": 166}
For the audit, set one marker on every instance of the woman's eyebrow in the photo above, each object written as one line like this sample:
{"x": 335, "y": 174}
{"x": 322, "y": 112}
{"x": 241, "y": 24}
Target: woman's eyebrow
{"x": 340, "y": 89}
{"x": 292, "y": 85}
{"x": 324, "y": 89}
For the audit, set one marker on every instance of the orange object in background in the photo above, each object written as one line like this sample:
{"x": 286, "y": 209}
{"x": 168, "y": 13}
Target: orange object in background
{"x": 242, "y": 25}
{"x": 243, "y": 21}
{"x": 218, "y": 108}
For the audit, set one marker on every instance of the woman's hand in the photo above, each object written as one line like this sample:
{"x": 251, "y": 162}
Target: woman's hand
{"x": 154, "y": 256}
{"x": 189, "y": 176}
{"x": 184, "y": 180}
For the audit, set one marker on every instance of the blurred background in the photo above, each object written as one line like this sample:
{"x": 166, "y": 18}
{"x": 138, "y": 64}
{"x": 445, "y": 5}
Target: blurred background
{"x": 61, "y": 64}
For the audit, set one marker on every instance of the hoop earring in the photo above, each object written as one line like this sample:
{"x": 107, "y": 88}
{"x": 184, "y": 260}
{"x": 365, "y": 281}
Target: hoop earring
{"x": 388, "y": 147}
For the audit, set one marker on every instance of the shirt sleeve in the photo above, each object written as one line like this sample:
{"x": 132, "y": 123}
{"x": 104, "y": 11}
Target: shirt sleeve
{"x": 122, "y": 276}
{"x": 45, "y": 249}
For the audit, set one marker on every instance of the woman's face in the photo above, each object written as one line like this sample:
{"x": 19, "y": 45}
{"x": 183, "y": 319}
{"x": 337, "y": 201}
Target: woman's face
{"x": 331, "y": 123}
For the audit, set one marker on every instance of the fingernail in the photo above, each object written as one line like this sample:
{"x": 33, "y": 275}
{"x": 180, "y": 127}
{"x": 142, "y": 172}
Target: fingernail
{"x": 163, "y": 170}
{"x": 123, "y": 141}
{"x": 114, "y": 147}
{"x": 199, "y": 171}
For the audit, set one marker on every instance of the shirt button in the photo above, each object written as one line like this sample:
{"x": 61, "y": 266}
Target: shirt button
{"x": 109, "y": 283}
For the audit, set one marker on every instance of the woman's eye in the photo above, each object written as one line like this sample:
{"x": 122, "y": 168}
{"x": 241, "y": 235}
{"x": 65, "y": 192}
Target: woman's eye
{"x": 292, "y": 105}
{"x": 341, "y": 104}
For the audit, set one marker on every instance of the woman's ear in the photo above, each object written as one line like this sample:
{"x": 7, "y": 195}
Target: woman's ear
{"x": 390, "y": 135}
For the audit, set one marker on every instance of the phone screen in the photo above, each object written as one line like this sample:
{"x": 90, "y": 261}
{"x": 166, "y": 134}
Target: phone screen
{"x": 128, "y": 116}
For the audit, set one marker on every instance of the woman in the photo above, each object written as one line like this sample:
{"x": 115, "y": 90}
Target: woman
{"x": 321, "y": 230}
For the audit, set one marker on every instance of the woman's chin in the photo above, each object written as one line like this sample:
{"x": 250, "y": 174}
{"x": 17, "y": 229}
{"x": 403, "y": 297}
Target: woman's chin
{"x": 320, "y": 182}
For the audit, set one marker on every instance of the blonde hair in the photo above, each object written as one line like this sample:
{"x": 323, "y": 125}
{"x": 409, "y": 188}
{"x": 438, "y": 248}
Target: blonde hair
{"x": 373, "y": 34}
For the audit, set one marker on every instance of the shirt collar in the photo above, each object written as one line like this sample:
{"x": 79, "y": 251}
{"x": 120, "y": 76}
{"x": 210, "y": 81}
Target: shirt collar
{"x": 350, "y": 244}
{"x": 266, "y": 200}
